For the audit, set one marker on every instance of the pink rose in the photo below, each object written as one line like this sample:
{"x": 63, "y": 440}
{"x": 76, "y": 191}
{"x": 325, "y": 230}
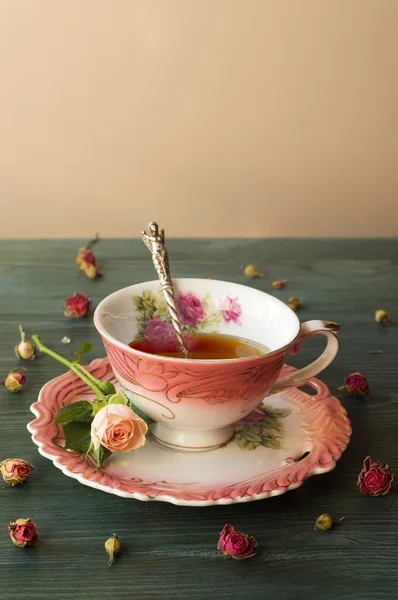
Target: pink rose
{"x": 23, "y": 532}
{"x": 158, "y": 330}
{"x": 356, "y": 384}
{"x": 77, "y": 306}
{"x": 231, "y": 310}
{"x": 15, "y": 470}
{"x": 118, "y": 428}
{"x": 236, "y": 544}
{"x": 190, "y": 309}
{"x": 375, "y": 479}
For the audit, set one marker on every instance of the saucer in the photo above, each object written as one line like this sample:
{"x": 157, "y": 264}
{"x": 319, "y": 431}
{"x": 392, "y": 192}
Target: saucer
{"x": 290, "y": 437}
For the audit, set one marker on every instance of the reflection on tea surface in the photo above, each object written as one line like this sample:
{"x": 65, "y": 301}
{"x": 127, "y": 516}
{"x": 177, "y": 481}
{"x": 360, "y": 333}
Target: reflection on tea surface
{"x": 202, "y": 346}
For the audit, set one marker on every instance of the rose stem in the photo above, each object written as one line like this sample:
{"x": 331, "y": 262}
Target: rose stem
{"x": 96, "y": 381}
{"x": 71, "y": 366}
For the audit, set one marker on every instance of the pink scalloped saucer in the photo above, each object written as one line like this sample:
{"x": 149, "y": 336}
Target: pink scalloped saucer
{"x": 292, "y": 436}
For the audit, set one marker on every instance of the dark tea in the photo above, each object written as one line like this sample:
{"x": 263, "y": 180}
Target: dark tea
{"x": 202, "y": 346}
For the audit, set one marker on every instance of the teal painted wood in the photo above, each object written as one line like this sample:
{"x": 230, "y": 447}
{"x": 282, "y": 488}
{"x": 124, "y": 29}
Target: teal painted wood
{"x": 168, "y": 551}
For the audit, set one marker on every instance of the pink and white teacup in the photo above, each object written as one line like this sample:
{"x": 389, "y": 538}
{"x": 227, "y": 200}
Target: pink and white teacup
{"x": 195, "y": 403}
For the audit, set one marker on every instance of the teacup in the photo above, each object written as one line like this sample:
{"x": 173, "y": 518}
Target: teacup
{"x": 195, "y": 403}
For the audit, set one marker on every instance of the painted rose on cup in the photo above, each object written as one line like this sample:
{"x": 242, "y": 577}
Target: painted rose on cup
{"x": 197, "y": 314}
{"x": 190, "y": 309}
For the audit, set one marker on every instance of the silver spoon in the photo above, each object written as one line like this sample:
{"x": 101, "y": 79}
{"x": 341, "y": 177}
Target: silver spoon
{"x": 154, "y": 241}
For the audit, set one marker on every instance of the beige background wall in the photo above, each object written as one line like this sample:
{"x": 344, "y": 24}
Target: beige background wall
{"x": 215, "y": 117}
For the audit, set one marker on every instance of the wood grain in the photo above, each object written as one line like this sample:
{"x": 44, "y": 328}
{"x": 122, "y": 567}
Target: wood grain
{"x": 168, "y": 551}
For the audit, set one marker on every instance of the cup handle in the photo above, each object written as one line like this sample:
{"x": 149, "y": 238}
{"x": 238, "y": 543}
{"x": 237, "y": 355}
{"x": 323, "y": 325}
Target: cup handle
{"x": 329, "y": 330}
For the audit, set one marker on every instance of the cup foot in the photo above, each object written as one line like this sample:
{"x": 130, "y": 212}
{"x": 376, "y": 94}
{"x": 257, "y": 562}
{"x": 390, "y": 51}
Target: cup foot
{"x": 192, "y": 440}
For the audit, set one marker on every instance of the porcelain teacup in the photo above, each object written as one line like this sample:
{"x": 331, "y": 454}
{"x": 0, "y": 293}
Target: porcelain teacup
{"x": 195, "y": 403}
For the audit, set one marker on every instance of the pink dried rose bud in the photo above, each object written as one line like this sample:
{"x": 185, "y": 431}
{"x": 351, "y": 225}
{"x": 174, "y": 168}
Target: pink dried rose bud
{"x": 375, "y": 479}
{"x": 77, "y": 306}
{"x": 87, "y": 262}
{"x": 382, "y": 317}
{"x": 279, "y": 285}
{"x": 15, "y": 470}
{"x": 23, "y": 532}
{"x": 14, "y": 381}
{"x": 355, "y": 384}
{"x": 236, "y": 544}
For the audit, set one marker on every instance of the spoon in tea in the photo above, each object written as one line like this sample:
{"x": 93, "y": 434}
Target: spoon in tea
{"x": 154, "y": 241}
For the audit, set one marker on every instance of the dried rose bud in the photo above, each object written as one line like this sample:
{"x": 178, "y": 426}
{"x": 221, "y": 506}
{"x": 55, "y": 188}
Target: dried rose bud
{"x": 382, "y": 317}
{"x": 87, "y": 262}
{"x": 77, "y": 306}
{"x": 375, "y": 479}
{"x": 236, "y": 544}
{"x": 293, "y": 303}
{"x": 325, "y": 522}
{"x": 14, "y": 381}
{"x": 251, "y": 271}
{"x": 112, "y": 546}
{"x": 279, "y": 285}
{"x": 15, "y": 470}
{"x": 356, "y": 384}
{"x": 25, "y": 349}
{"x": 23, "y": 532}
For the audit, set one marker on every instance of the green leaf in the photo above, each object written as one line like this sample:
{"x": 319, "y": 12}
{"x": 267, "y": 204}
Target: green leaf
{"x": 101, "y": 454}
{"x": 77, "y": 436}
{"x": 76, "y": 411}
{"x": 118, "y": 398}
{"x": 138, "y": 302}
{"x": 242, "y": 443}
{"x": 249, "y": 435}
{"x": 106, "y": 387}
{"x": 82, "y": 349}
{"x": 271, "y": 443}
{"x": 277, "y": 413}
{"x": 252, "y": 445}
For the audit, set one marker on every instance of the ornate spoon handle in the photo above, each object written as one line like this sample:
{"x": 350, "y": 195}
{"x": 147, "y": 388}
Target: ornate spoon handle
{"x": 154, "y": 241}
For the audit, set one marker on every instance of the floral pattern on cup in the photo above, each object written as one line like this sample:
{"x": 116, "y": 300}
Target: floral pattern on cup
{"x": 196, "y": 314}
{"x": 262, "y": 427}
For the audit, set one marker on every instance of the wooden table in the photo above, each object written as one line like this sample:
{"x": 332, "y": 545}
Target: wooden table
{"x": 170, "y": 552}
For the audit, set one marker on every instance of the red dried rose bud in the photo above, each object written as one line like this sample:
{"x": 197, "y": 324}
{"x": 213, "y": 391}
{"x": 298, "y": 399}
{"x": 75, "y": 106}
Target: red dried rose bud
{"x": 375, "y": 479}
{"x": 236, "y": 544}
{"x": 15, "y": 470}
{"x": 77, "y": 306}
{"x": 356, "y": 384}
{"x": 279, "y": 285}
{"x": 87, "y": 262}
{"x": 382, "y": 317}
{"x": 14, "y": 381}
{"x": 23, "y": 532}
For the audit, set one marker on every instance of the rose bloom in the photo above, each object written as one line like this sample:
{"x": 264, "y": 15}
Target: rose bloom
{"x": 118, "y": 428}
{"x": 231, "y": 310}
{"x": 375, "y": 479}
{"x": 356, "y": 384}
{"x": 77, "y": 306}
{"x": 158, "y": 330}
{"x": 23, "y": 532}
{"x": 236, "y": 544}
{"x": 190, "y": 309}
{"x": 87, "y": 263}
{"x": 15, "y": 470}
